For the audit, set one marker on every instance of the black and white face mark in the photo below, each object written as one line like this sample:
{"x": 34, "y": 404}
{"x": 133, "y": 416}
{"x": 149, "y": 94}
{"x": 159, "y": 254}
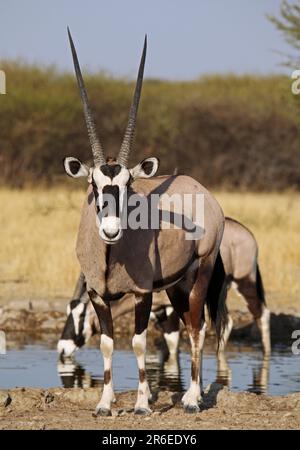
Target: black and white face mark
{"x": 77, "y": 329}
{"x": 110, "y": 184}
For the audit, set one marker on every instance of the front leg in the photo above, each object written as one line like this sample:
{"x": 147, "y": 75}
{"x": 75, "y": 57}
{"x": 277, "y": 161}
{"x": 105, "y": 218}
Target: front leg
{"x": 143, "y": 305}
{"x": 103, "y": 312}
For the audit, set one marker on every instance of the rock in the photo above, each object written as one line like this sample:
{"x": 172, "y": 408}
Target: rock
{"x": 5, "y": 398}
{"x": 89, "y": 396}
{"x": 49, "y": 397}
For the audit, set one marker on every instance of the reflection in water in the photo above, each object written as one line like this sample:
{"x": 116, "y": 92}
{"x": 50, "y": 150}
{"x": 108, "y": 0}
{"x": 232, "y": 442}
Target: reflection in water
{"x": 261, "y": 377}
{"x": 31, "y": 363}
{"x": 163, "y": 371}
{"x": 73, "y": 374}
{"x": 224, "y": 373}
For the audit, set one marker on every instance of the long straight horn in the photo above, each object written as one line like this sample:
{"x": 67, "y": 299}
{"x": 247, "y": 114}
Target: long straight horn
{"x": 129, "y": 133}
{"x": 97, "y": 149}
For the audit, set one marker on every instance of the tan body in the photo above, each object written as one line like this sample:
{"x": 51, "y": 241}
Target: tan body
{"x": 146, "y": 260}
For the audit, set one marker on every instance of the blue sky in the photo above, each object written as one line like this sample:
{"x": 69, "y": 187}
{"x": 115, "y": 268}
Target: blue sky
{"x": 186, "y": 39}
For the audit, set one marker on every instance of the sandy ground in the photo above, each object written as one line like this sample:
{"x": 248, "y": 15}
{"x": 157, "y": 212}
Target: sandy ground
{"x": 73, "y": 409}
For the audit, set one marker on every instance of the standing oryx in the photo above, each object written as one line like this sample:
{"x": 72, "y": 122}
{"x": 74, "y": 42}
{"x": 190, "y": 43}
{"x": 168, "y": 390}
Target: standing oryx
{"x": 116, "y": 260}
{"x": 239, "y": 252}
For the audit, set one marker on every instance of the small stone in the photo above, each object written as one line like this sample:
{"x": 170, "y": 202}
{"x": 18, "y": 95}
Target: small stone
{"x": 48, "y": 397}
{"x": 5, "y": 399}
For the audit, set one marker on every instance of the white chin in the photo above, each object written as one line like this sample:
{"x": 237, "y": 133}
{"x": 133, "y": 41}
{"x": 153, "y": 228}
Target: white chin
{"x": 107, "y": 240}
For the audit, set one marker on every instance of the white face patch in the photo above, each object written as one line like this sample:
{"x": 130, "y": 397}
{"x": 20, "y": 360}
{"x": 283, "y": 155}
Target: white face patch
{"x": 122, "y": 178}
{"x": 108, "y": 221}
{"x": 100, "y": 179}
{"x": 76, "y": 312}
{"x": 87, "y": 325}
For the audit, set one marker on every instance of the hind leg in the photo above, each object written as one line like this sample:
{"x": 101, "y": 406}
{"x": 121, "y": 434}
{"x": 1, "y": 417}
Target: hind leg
{"x": 226, "y": 334}
{"x": 171, "y": 328}
{"x": 248, "y": 289}
{"x": 188, "y": 299}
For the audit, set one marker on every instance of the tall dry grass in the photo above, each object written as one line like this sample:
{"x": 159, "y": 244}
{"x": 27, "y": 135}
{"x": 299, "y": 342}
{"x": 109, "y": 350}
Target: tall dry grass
{"x": 39, "y": 227}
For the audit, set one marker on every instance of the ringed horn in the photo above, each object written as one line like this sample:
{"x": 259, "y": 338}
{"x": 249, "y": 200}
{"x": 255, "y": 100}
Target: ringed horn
{"x": 97, "y": 149}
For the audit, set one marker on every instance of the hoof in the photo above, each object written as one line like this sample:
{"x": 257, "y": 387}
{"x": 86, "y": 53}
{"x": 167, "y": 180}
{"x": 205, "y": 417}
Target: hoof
{"x": 103, "y": 412}
{"x": 142, "y": 412}
{"x": 191, "y": 409}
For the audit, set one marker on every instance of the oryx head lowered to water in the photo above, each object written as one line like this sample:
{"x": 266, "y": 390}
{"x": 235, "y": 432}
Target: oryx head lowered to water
{"x": 110, "y": 177}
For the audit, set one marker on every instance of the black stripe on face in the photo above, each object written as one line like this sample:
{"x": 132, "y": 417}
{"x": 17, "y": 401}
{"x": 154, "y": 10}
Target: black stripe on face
{"x": 80, "y": 339}
{"x": 112, "y": 202}
{"x": 69, "y": 328}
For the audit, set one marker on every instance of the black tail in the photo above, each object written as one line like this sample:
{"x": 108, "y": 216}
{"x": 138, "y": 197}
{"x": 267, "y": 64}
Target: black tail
{"x": 260, "y": 287}
{"x": 216, "y": 297}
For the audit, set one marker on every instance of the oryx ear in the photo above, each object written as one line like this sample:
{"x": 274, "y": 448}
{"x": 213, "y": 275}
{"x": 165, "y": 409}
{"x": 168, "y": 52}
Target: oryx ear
{"x": 75, "y": 168}
{"x": 145, "y": 169}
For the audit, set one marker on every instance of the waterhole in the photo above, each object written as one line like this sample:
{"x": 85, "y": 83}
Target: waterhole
{"x": 241, "y": 368}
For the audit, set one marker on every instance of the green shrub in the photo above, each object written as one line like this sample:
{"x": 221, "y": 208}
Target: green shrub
{"x": 227, "y": 131}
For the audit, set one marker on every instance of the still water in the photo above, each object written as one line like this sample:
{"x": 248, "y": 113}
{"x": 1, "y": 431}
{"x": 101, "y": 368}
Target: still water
{"x": 243, "y": 369}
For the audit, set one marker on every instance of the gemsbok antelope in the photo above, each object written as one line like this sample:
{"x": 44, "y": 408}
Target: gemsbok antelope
{"x": 117, "y": 259}
{"x": 239, "y": 252}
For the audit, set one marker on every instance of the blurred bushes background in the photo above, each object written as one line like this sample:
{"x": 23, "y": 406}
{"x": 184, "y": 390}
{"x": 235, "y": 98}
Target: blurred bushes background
{"x": 228, "y": 132}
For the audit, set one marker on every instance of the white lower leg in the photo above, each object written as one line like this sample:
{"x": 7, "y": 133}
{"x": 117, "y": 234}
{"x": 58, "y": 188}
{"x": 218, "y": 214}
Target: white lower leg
{"x": 226, "y": 334}
{"x": 264, "y": 325}
{"x": 201, "y": 345}
{"x": 172, "y": 341}
{"x": 107, "y": 346}
{"x": 144, "y": 394}
{"x": 192, "y": 397}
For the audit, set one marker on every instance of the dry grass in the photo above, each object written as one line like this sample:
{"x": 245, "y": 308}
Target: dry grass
{"x": 38, "y": 234}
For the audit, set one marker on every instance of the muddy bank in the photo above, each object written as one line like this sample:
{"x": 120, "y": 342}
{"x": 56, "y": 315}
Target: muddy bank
{"x": 40, "y": 322}
{"x": 72, "y": 409}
